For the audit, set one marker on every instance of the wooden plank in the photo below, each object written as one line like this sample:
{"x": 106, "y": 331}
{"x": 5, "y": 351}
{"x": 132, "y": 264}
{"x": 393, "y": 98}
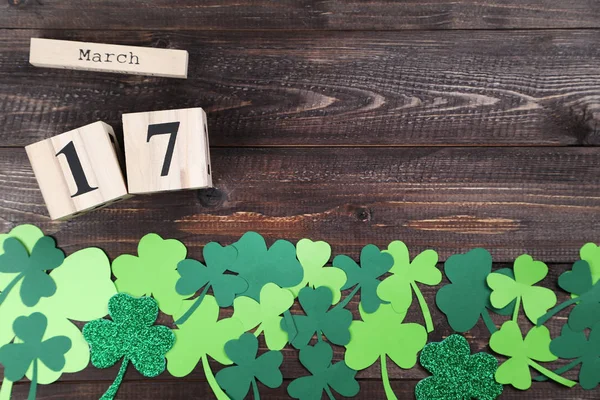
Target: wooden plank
{"x": 300, "y": 15}
{"x": 328, "y": 89}
{"x": 544, "y": 201}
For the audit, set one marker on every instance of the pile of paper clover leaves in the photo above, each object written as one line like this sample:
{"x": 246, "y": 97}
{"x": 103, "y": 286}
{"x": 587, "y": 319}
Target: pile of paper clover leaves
{"x": 42, "y": 291}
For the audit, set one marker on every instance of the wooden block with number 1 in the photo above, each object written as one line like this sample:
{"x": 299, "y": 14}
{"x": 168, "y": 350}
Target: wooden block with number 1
{"x": 167, "y": 150}
{"x": 78, "y": 171}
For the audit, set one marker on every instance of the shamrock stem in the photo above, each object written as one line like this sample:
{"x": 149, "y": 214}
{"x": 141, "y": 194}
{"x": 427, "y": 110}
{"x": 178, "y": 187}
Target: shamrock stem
{"x": 111, "y": 392}
{"x": 34, "y": 381}
{"x": 9, "y": 287}
{"x": 329, "y": 394}
{"x": 561, "y": 370}
{"x": 487, "y": 320}
{"x": 515, "y": 316}
{"x": 542, "y": 320}
{"x": 212, "y": 382}
{"x": 258, "y": 330}
{"x": 255, "y": 390}
{"x": 6, "y": 389}
{"x": 556, "y": 378}
{"x": 194, "y": 306}
{"x": 424, "y": 307}
{"x": 347, "y": 299}
{"x": 389, "y": 393}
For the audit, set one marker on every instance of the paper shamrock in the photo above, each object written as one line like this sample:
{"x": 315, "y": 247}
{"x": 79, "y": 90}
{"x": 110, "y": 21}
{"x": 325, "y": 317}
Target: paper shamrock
{"x": 236, "y": 380}
{"x": 313, "y": 257}
{"x": 259, "y": 265}
{"x": 201, "y": 336}
{"x": 131, "y": 336}
{"x": 591, "y": 254}
{"x": 536, "y": 299}
{"x": 319, "y": 319}
{"x": 523, "y": 354}
{"x": 153, "y": 272}
{"x": 32, "y": 348}
{"x": 266, "y": 314}
{"x": 195, "y": 275}
{"x": 324, "y": 375}
{"x": 373, "y": 264}
{"x": 456, "y": 373}
{"x": 18, "y": 265}
{"x": 382, "y": 334}
{"x": 398, "y": 288}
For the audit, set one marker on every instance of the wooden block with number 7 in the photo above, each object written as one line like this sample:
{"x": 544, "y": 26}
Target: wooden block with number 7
{"x": 78, "y": 170}
{"x": 166, "y": 150}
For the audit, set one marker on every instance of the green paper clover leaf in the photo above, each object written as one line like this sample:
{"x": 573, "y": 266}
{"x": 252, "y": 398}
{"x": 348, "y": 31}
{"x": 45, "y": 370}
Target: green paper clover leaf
{"x": 131, "y": 336}
{"x": 373, "y": 264}
{"x": 236, "y": 380}
{"x": 536, "y": 299}
{"x": 456, "y": 373}
{"x": 30, "y": 269}
{"x": 153, "y": 272}
{"x": 397, "y": 288}
{"x": 32, "y": 348}
{"x": 319, "y": 319}
{"x": 324, "y": 375}
{"x": 259, "y": 265}
{"x": 523, "y": 354}
{"x": 591, "y": 253}
{"x": 195, "y": 275}
{"x": 266, "y": 314}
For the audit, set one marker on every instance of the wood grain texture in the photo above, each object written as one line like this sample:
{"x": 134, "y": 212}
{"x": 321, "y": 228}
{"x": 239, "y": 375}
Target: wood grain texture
{"x": 514, "y": 88}
{"x": 299, "y": 15}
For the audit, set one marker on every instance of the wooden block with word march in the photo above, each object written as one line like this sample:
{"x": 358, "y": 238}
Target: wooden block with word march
{"x": 166, "y": 150}
{"x": 78, "y": 170}
{"x": 66, "y": 54}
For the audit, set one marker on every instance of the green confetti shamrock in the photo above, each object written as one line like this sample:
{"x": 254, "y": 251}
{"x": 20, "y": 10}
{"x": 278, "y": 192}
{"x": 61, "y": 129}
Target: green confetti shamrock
{"x": 32, "y": 348}
{"x": 131, "y": 336}
{"x": 456, "y": 373}
{"x": 591, "y": 253}
{"x": 373, "y": 264}
{"x": 194, "y": 275}
{"x": 382, "y": 334}
{"x": 313, "y": 257}
{"x": 324, "y": 375}
{"x": 319, "y": 320}
{"x": 266, "y": 314}
{"x": 523, "y": 354}
{"x": 536, "y": 299}
{"x": 153, "y": 272}
{"x": 30, "y": 269}
{"x": 236, "y": 380}
{"x": 398, "y": 288}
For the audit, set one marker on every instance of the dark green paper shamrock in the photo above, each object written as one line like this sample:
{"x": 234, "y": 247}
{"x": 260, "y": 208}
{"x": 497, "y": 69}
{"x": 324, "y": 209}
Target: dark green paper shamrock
{"x": 334, "y": 324}
{"x": 317, "y": 361}
{"x": 457, "y": 375}
{"x": 236, "y": 380}
{"x": 18, "y": 357}
{"x": 373, "y": 264}
{"x": 131, "y": 336}
{"x": 195, "y": 275}
{"x": 30, "y": 269}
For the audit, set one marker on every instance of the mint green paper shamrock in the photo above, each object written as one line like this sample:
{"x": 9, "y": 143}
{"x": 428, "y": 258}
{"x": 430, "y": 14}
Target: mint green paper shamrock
{"x": 195, "y": 275}
{"x": 259, "y": 265}
{"x": 590, "y": 253}
{"x": 236, "y": 380}
{"x": 523, "y": 354}
{"x": 31, "y": 349}
{"x": 30, "y": 269}
{"x": 373, "y": 264}
{"x": 131, "y": 336}
{"x": 456, "y": 373}
{"x": 324, "y": 375}
{"x": 536, "y": 299}
{"x": 398, "y": 288}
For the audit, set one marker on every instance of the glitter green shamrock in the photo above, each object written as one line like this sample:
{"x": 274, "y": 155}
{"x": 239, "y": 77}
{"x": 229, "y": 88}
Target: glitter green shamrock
{"x": 132, "y": 336}
{"x": 456, "y": 373}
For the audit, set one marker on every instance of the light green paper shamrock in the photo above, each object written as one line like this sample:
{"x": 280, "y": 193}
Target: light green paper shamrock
{"x": 591, "y": 253}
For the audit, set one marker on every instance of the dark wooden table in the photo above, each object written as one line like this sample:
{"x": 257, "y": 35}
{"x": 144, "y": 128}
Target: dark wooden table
{"x": 446, "y": 124}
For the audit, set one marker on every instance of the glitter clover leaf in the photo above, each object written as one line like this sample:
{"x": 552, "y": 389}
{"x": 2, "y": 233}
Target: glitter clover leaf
{"x": 195, "y": 275}
{"x": 324, "y": 375}
{"x": 236, "y": 380}
{"x": 30, "y": 349}
{"x": 456, "y": 373}
{"x": 373, "y": 264}
{"x": 398, "y": 288}
{"x": 131, "y": 336}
